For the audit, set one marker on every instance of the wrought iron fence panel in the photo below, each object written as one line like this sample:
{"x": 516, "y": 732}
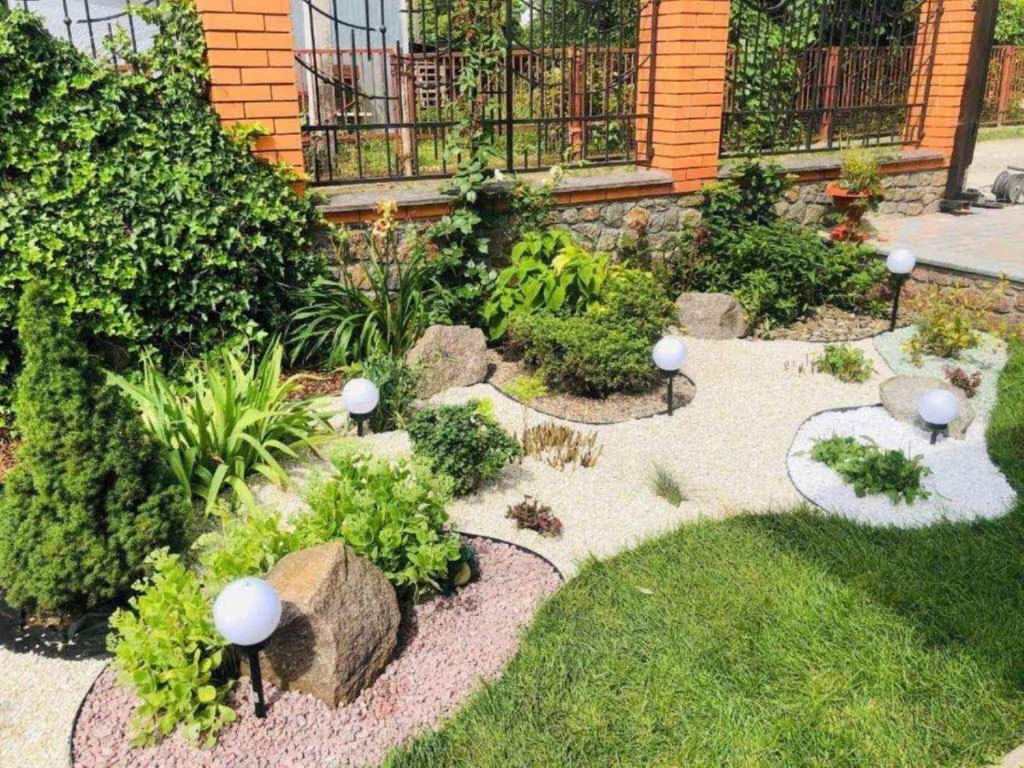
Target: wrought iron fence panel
{"x": 100, "y": 28}
{"x": 1004, "y": 88}
{"x": 378, "y": 85}
{"x": 818, "y": 75}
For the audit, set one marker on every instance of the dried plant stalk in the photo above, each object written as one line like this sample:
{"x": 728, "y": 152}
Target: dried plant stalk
{"x": 559, "y": 445}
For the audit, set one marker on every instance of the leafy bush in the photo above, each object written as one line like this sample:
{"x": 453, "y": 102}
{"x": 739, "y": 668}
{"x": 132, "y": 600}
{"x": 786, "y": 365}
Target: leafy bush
{"x": 149, "y": 223}
{"x": 869, "y": 469}
{"x": 90, "y": 496}
{"x": 396, "y": 383}
{"x": 548, "y": 272}
{"x": 1010, "y": 23}
{"x": 947, "y": 324}
{"x": 390, "y": 512}
{"x": 845, "y": 362}
{"x": 168, "y": 650}
{"x": 248, "y": 544}
{"x": 777, "y": 269}
{"x": 532, "y": 515}
{"x": 378, "y": 305}
{"x": 860, "y": 173}
{"x": 235, "y": 419}
{"x": 463, "y": 443}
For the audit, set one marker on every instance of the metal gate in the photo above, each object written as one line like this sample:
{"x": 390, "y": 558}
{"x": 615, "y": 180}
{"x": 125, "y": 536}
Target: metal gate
{"x": 378, "y": 85}
{"x": 813, "y": 75}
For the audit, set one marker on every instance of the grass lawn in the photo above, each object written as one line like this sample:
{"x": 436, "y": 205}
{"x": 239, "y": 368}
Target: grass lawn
{"x": 784, "y": 640}
{"x": 1003, "y": 132}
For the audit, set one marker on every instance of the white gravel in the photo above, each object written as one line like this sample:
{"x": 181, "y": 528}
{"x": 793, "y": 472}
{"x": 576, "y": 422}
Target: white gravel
{"x": 727, "y": 448}
{"x": 988, "y": 358}
{"x": 964, "y": 483}
{"x": 38, "y": 700}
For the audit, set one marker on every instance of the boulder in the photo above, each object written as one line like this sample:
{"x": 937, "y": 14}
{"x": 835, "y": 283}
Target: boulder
{"x": 712, "y": 315}
{"x": 449, "y": 356}
{"x": 901, "y": 394}
{"x": 339, "y": 623}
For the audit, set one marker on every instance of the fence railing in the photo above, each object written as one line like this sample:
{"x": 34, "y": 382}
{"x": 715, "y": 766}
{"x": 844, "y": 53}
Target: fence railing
{"x": 1004, "y": 89}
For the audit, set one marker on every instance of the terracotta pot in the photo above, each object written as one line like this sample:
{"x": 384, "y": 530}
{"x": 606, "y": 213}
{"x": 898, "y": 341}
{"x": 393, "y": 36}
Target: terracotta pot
{"x": 853, "y": 205}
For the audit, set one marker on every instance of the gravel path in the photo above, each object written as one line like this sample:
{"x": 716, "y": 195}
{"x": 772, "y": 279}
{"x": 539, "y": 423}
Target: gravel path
{"x": 964, "y": 483}
{"x": 449, "y": 646}
{"x": 988, "y": 358}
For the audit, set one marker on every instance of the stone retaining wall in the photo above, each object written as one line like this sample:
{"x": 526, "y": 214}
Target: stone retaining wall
{"x": 1004, "y": 298}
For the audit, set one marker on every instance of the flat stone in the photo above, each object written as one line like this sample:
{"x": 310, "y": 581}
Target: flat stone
{"x": 901, "y": 395}
{"x": 339, "y": 623}
{"x": 448, "y": 356}
{"x": 711, "y": 315}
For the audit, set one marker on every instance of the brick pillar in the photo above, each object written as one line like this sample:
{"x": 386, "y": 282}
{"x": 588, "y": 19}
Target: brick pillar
{"x": 946, "y": 43}
{"x": 252, "y": 72}
{"x": 689, "y": 83}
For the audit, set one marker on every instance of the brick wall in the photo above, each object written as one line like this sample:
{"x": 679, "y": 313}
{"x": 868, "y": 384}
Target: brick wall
{"x": 249, "y": 49}
{"x": 688, "y": 89}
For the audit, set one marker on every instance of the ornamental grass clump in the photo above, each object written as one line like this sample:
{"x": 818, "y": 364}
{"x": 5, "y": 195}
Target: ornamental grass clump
{"x": 90, "y": 496}
{"x": 235, "y": 418}
{"x": 870, "y": 470}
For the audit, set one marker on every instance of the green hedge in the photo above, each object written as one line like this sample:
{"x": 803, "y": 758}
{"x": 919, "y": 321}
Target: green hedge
{"x": 120, "y": 192}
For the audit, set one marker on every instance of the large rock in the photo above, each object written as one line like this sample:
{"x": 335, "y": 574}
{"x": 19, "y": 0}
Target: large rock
{"x": 901, "y": 395}
{"x": 712, "y": 315}
{"x": 339, "y": 623}
{"x": 449, "y": 356}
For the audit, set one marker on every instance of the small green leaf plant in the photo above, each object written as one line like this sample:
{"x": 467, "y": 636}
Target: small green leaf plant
{"x": 870, "y": 470}
{"x": 845, "y": 362}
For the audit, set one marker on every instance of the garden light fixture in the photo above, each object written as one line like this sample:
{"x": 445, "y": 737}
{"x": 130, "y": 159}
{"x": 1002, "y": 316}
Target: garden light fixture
{"x": 246, "y": 613}
{"x": 938, "y": 408}
{"x": 669, "y": 355}
{"x": 901, "y": 263}
{"x": 359, "y": 397}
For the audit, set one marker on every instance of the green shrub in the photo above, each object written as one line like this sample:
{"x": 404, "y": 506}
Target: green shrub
{"x": 1010, "y": 23}
{"x": 378, "y": 305}
{"x": 860, "y": 173}
{"x": 947, "y": 323}
{"x": 845, "y": 362}
{"x": 1006, "y": 424}
{"x": 871, "y": 470}
{"x": 549, "y": 272}
{"x": 390, "y": 512}
{"x": 149, "y": 223}
{"x": 247, "y": 544}
{"x": 90, "y": 496}
{"x": 462, "y": 442}
{"x": 777, "y": 269}
{"x": 168, "y": 651}
{"x": 235, "y": 419}
{"x": 396, "y": 383}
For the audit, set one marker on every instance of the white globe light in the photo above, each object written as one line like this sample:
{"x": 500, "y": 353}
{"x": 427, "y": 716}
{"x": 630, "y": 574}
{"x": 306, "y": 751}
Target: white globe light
{"x": 669, "y": 353}
{"x": 901, "y": 261}
{"x": 359, "y": 396}
{"x": 247, "y": 611}
{"x": 938, "y": 407}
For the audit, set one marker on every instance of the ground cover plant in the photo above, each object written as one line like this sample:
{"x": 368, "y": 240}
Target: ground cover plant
{"x": 120, "y": 188}
{"x": 532, "y": 515}
{"x": 845, "y": 362}
{"x": 968, "y": 382}
{"x": 790, "y": 639}
{"x": 90, "y": 495}
{"x": 777, "y": 269}
{"x": 462, "y": 442}
{"x": 871, "y": 470}
{"x": 235, "y": 418}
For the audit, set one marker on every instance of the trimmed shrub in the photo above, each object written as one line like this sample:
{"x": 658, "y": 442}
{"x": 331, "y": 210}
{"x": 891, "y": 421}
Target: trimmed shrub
{"x": 122, "y": 194}
{"x": 90, "y": 496}
{"x": 463, "y": 443}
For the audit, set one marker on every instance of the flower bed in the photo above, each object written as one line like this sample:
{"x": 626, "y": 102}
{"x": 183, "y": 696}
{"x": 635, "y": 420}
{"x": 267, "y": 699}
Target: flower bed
{"x": 447, "y": 645}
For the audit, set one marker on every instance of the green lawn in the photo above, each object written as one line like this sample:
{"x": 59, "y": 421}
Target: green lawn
{"x": 788, "y": 640}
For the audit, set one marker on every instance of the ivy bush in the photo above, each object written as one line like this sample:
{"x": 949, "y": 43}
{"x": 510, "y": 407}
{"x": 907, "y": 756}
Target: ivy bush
{"x": 120, "y": 191}
{"x": 90, "y": 496}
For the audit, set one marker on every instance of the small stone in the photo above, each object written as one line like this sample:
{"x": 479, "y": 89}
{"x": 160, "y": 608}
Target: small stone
{"x": 448, "y": 356}
{"x": 590, "y": 213}
{"x": 711, "y": 315}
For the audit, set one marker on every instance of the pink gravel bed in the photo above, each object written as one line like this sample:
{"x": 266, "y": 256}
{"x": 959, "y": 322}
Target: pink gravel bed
{"x": 448, "y": 645}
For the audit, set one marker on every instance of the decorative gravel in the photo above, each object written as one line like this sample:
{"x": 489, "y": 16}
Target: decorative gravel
{"x": 448, "y": 646}
{"x": 831, "y": 324}
{"x": 964, "y": 483}
{"x": 988, "y": 358}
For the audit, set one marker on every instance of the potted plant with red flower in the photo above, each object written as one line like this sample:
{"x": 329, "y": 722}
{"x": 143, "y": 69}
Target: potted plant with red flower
{"x": 857, "y": 191}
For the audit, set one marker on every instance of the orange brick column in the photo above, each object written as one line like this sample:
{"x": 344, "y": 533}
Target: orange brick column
{"x": 689, "y": 82}
{"x": 947, "y": 44}
{"x": 252, "y": 72}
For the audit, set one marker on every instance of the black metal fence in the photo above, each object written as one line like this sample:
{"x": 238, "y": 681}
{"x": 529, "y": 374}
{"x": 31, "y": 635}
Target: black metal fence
{"x": 378, "y": 85}
{"x": 812, "y": 75}
{"x": 92, "y": 25}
